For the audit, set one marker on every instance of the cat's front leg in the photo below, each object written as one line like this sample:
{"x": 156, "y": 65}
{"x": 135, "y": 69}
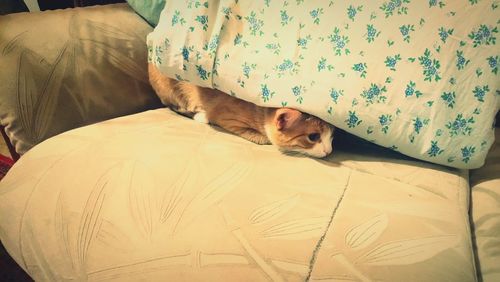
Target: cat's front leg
{"x": 252, "y": 135}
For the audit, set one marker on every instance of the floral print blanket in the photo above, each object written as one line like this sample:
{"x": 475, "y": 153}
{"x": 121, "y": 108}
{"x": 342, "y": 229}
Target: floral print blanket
{"x": 419, "y": 77}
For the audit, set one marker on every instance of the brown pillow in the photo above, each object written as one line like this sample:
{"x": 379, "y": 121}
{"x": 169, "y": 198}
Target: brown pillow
{"x": 67, "y": 68}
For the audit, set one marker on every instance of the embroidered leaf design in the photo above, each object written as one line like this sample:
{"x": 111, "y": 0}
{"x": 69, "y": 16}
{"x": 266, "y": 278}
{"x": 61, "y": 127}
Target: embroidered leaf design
{"x": 299, "y": 268}
{"x": 122, "y": 55}
{"x": 366, "y": 233}
{"x": 46, "y": 104}
{"x": 104, "y": 31}
{"x": 214, "y": 191}
{"x": 172, "y": 199}
{"x": 142, "y": 197}
{"x": 409, "y": 251}
{"x": 296, "y": 229}
{"x": 123, "y": 272}
{"x": 28, "y": 86}
{"x": 273, "y": 210}
{"x": 222, "y": 258}
{"x": 91, "y": 215}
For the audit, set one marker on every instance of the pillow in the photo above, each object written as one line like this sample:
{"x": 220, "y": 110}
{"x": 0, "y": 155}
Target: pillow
{"x": 420, "y": 77}
{"x": 149, "y": 10}
{"x": 67, "y": 68}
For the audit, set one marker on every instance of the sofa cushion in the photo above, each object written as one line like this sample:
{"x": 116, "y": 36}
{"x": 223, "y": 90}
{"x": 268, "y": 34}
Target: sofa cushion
{"x": 485, "y": 213}
{"x": 66, "y": 68}
{"x": 159, "y": 197}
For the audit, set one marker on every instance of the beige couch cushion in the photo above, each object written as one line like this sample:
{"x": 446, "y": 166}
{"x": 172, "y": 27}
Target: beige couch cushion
{"x": 485, "y": 183}
{"x": 66, "y": 68}
{"x": 158, "y": 197}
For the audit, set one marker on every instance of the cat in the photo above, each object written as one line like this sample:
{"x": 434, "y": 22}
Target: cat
{"x": 288, "y": 129}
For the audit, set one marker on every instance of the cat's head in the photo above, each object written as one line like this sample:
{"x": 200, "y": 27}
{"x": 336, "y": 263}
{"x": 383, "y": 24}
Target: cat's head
{"x": 294, "y": 131}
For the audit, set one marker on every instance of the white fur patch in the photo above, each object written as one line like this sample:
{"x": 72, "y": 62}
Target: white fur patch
{"x": 201, "y": 117}
{"x": 269, "y": 133}
{"x": 324, "y": 148}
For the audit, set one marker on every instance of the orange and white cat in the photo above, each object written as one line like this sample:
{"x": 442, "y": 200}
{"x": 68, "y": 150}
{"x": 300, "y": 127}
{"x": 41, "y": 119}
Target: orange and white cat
{"x": 288, "y": 129}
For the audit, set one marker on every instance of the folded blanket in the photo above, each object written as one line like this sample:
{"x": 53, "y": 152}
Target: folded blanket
{"x": 420, "y": 77}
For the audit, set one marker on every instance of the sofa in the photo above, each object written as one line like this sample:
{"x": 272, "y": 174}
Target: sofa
{"x": 110, "y": 185}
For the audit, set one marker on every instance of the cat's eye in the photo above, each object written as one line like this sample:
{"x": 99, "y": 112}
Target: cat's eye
{"x": 313, "y": 137}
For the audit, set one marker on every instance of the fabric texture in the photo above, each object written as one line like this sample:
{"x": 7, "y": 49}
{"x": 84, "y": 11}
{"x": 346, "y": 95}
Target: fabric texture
{"x": 485, "y": 213}
{"x": 149, "y": 10}
{"x": 420, "y": 77}
{"x": 66, "y": 68}
{"x": 159, "y": 197}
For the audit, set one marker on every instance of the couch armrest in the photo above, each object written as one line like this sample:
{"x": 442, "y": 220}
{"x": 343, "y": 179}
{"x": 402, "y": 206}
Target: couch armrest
{"x": 67, "y": 68}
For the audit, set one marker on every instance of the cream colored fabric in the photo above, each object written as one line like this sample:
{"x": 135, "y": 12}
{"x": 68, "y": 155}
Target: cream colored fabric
{"x": 159, "y": 197}
{"x": 67, "y": 68}
{"x": 485, "y": 183}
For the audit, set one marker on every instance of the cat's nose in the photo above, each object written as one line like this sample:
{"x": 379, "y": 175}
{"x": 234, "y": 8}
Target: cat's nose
{"x": 327, "y": 148}
{"x": 325, "y": 153}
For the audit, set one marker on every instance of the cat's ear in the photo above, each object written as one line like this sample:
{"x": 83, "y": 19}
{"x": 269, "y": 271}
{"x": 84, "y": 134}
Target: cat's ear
{"x": 284, "y": 118}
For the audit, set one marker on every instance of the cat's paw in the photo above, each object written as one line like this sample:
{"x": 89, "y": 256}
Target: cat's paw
{"x": 201, "y": 117}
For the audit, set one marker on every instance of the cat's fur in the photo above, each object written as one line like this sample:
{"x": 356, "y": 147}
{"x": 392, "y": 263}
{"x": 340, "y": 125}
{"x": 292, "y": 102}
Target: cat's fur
{"x": 286, "y": 128}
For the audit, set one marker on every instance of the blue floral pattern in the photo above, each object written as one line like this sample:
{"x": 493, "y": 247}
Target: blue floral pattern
{"x": 411, "y": 90}
{"x": 405, "y": 31}
{"x": 202, "y": 73}
{"x": 385, "y": 122}
{"x": 461, "y": 61}
{"x": 484, "y": 35}
{"x": 353, "y": 120}
{"x": 176, "y": 18}
{"x": 353, "y": 11}
{"x": 203, "y": 20}
{"x": 391, "y": 62}
{"x": 480, "y": 92}
{"x": 339, "y": 42}
{"x": 493, "y": 63}
{"x": 266, "y": 94}
{"x": 434, "y": 150}
{"x": 418, "y": 124}
{"x": 444, "y": 33}
{"x": 384, "y": 70}
{"x": 430, "y": 66}
{"x": 322, "y": 64}
{"x": 255, "y": 25}
{"x": 371, "y": 33}
{"x": 374, "y": 94}
{"x": 460, "y": 125}
{"x": 316, "y": 14}
{"x": 397, "y": 6}
{"x": 361, "y": 68}
{"x": 335, "y": 94}
{"x": 285, "y": 19}
{"x": 467, "y": 153}
{"x": 449, "y": 98}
